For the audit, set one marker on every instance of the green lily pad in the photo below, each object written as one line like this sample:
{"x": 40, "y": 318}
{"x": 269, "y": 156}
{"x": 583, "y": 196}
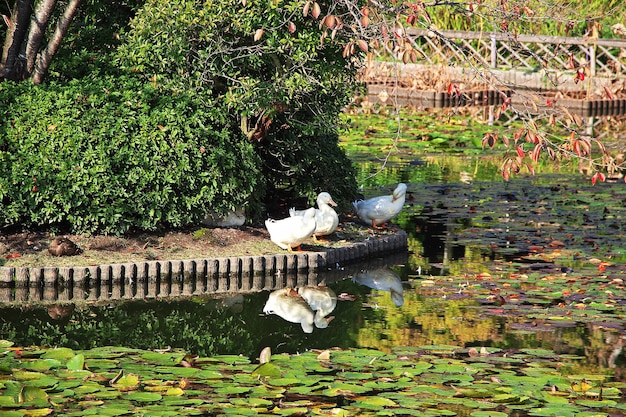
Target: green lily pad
{"x": 144, "y": 397}
{"x": 76, "y": 363}
{"x": 61, "y": 354}
{"x": 267, "y": 369}
{"x": 127, "y": 382}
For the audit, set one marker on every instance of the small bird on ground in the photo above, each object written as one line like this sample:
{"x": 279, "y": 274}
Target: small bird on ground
{"x": 62, "y": 246}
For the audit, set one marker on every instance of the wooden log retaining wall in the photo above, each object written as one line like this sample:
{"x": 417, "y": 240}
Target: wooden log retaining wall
{"x": 173, "y": 278}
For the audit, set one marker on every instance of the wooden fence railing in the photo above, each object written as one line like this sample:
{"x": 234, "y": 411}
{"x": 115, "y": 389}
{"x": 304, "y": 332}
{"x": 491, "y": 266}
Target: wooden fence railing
{"x": 603, "y": 57}
{"x": 522, "y": 67}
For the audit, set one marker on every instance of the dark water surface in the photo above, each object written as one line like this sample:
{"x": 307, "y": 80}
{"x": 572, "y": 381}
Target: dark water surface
{"x": 533, "y": 263}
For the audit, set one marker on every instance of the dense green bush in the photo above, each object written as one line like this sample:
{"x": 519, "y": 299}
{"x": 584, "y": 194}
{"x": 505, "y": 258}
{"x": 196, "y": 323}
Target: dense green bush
{"x": 112, "y": 154}
{"x": 192, "y": 113}
{"x": 288, "y": 76}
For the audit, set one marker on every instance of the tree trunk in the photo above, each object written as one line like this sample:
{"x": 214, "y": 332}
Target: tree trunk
{"x": 22, "y": 54}
{"x": 12, "y": 63}
{"x": 43, "y": 59}
{"x": 37, "y": 29}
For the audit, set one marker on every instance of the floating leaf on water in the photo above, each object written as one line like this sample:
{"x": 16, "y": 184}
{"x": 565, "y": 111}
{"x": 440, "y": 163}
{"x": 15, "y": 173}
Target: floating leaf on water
{"x": 39, "y": 412}
{"x": 111, "y": 410}
{"x": 177, "y": 371}
{"x": 29, "y": 394}
{"x": 284, "y": 382}
{"x": 232, "y": 390}
{"x": 127, "y": 382}
{"x": 174, "y": 391}
{"x": 45, "y": 382}
{"x": 7, "y": 400}
{"x": 76, "y": 363}
{"x": 596, "y": 403}
{"x": 231, "y": 359}
{"x": 374, "y": 403}
{"x": 27, "y": 375}
{"x": 62, "y": 354}
{"x": 146, "y": 397}
{"x": 42, "y": 364}
{"x": 209, "y": 374}
{"x": 324, "y": 356}
{"x": 251, "y": 402}
{"x": 165, "y": 358}
{"x": 267, "y": 370}
{"x": 5, "y": 344}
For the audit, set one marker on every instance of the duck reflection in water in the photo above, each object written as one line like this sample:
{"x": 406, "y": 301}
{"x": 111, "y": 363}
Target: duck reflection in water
{"x": 308, "y": 306}
{"x": 383, "y": 279}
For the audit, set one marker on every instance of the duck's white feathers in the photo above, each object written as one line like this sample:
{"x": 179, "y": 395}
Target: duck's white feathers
{"x": 379, "y": 210}
{"x": 290, "y": 232}
{"x": 326, "y": 219}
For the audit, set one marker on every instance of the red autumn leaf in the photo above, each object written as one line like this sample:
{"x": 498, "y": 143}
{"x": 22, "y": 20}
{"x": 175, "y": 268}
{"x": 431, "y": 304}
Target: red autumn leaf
{"x": 570, "y": 62}
{"x": 330, "y": 21}
{"x": 520, "y": 151}
{"x": 12, "y": 256}
{"x": 362, "y": 45}
{"x": 316, "y": 10}
{"x": 519, "y": 134}
{"x": 600, "y": 145}
{"x": 534, "y": 154}
{"x": 580, "y": 76}
{"x": 291, "y": 27}
{"x": 576, "y": 146}
{"x": 608, "y": 92}
{"x": 489, "y": 140}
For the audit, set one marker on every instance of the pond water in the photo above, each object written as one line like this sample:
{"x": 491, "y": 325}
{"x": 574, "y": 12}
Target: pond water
{"x": 533, "y": 263}
{"x": 510, "y": 299}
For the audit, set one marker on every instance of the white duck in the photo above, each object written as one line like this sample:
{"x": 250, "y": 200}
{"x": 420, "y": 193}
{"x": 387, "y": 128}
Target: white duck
{"x": 322, "y": 300}
{"x": 379, "y": 210}
{"x": 290, "y": 232}
{"x": 326, "y": 219}
{"x": 290, "y": 305}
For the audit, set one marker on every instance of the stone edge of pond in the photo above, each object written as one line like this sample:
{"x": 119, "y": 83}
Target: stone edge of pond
{"x": 192, "y": 268}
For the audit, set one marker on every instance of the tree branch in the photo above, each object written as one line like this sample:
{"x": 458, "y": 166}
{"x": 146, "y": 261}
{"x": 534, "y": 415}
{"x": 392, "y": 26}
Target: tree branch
{"x": 43, "y": 60}
{"x": 36, "y": 32}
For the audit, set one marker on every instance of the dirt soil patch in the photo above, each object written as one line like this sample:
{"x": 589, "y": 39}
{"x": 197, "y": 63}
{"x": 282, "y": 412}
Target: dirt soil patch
{"x": 29, "y": 248}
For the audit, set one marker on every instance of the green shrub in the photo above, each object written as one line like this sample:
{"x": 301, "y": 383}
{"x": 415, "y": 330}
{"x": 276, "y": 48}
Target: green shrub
{"x": 292, "y": 77}
{"x": 114, "y": 154}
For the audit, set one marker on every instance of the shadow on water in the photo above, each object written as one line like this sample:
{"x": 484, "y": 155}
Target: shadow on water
{"x": 182, "y": 313}
{"x": 506, "y": 266}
